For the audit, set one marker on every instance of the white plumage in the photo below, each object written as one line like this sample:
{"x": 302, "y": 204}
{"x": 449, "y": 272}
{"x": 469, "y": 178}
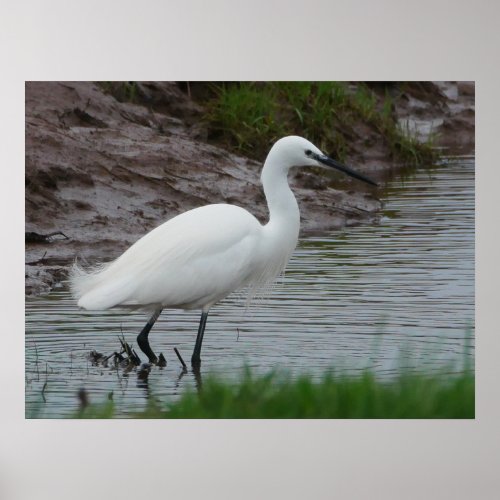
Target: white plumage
{"x": 199, "y": 257}
{"x": 189, "y": 262}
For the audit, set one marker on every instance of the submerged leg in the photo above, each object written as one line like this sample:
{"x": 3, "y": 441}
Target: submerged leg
{"x": 195, "y": 359}
{"x": 142, "y": 338}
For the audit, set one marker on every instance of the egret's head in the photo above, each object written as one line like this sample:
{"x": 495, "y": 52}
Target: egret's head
{"x": 294, "y": 151}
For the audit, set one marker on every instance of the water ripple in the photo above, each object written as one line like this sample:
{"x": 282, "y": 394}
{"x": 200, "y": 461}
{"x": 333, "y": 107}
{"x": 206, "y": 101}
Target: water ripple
{"x": 357, "y": 298}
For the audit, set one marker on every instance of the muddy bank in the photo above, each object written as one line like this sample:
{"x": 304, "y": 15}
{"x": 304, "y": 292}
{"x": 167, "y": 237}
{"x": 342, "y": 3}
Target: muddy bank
{"x": 104, "y": 172}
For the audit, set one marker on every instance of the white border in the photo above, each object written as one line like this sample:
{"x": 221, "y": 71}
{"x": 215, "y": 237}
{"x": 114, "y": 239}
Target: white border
{"x": 217, "y": 40}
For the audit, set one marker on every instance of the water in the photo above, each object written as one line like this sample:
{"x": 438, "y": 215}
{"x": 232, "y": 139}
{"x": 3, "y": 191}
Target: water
{"x": 399, "y": 294}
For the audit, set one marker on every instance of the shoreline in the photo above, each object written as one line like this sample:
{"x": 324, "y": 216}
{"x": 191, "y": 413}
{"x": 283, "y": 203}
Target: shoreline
{"x": 104, "y": 172}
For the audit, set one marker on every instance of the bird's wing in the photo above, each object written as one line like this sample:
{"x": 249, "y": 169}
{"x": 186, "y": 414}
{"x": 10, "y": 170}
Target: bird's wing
{"x": 198, "y": 256}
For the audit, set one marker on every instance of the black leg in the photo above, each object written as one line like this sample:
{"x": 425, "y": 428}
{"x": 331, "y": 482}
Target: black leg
{"x": 195, "y": 359}
{"x": 142, "y": 338}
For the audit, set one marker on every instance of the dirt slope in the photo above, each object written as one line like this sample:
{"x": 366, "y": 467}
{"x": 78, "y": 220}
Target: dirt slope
{"x": 104, "y": 172}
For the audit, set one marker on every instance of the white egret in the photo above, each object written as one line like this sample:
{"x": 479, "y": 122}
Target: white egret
{"x": 199, "y": 257}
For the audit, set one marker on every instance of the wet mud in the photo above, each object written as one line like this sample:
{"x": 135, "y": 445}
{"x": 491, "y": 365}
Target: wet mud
{"x": 100, "y": 173}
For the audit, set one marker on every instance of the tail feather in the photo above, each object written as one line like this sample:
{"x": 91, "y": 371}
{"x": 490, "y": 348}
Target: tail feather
{"x": 91, "y": 288}
{"x": 81, "y": 280}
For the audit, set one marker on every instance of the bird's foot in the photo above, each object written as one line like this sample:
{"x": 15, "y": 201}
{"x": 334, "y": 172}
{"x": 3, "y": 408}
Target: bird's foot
{"x": 162, "y": 362}
{"x": 146, "y": 349}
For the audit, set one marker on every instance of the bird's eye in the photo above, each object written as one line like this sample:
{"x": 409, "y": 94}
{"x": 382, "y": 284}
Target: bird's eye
{"x": 308, "y": 152}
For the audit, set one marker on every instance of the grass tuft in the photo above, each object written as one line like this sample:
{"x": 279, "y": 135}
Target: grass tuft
{"x": 278, "y": 396}
{"x": 251, "y": 116}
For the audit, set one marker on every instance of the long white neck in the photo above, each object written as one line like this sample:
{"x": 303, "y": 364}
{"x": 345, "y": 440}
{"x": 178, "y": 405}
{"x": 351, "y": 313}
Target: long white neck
{"x": 284, "y": 215}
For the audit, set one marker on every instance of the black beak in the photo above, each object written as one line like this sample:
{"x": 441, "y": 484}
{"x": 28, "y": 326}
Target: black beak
{"x": 349, "y": 171}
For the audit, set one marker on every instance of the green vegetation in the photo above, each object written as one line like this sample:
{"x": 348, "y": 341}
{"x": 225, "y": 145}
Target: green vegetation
{"x": 252, "y": 116}
{"x": 275, "y": 396}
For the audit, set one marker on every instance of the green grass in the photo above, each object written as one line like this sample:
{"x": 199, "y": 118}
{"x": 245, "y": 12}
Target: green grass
{"x": 278, "y": 396}
{"x": 251, "y": 116}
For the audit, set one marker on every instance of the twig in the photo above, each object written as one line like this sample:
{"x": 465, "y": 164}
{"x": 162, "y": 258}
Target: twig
{"x": 83, "y": 398}
{"x": 33, "y": 237}
{"x": 125, "y": 346}
{"x": 118, "y": 357}
{"x": 36, "y": 363}
{"x": 105, "y": 358}
{"x": 33, "y": 262}
{"x": 43, "y": 392}
{"x": 136, "y": 358}
{"x": 133, "y": 357}
{"x": 46, "y": 380}
{"x": 180, "y": 358}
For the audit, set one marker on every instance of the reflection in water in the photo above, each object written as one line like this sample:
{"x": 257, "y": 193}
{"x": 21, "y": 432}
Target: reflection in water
{"x": 397, "y": 294}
